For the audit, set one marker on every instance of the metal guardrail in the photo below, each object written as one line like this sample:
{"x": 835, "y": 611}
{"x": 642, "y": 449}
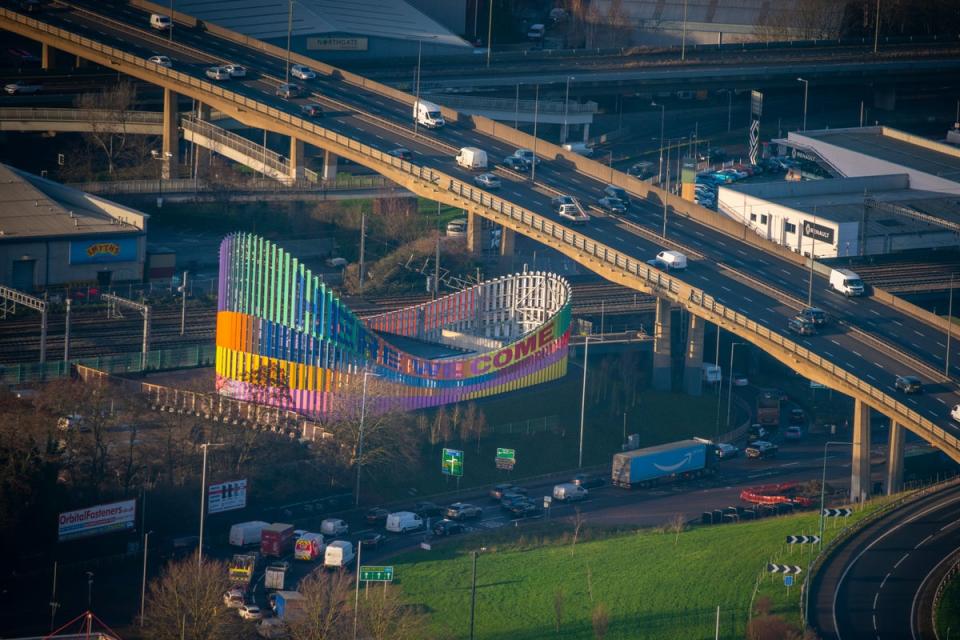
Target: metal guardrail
{"x": 81, "y": 115}
{"x": 506, "y": 104}
{"x": 654, "y": 280}
{"x": 188, "y": 185}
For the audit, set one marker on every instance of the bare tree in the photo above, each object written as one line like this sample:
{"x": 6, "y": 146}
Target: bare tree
{"x": 327, "y": 612}
{"x": 676, "y": 526}
{"x": 600, "y": 617}
{"x": 187, "y": 602}
{"x": 384, "y": 616}
{"x": 109, "y": 114}
{"x": 802, "y": 19}
{"x": 578, "y": 521}
{"x": 558, "y": 602}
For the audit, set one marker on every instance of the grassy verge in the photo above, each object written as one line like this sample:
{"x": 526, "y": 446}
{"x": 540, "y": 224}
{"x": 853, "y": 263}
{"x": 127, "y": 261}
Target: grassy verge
{"x": 948, "y": 613}
{"x": 652, "y": 583}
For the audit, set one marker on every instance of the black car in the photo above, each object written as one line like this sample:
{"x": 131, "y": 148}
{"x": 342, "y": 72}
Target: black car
{"x": 814, "y": 315}
{"x": 427, "y": 509}
{"x": 371, "y": 539}
{"x": 524, "y": 508}
{"x": 797, "y": 416}
{"x": 516, "y": 163}
{"x": 588, "y": 481}
{"x": 507, "y": 502}
{"x": 448, "y": 528}
{"x": 376, "y": 516}
{"x": 612, "y": 205}
{"x": 908, "y": 384}
{"x": 312, "y": 110}
{"x": 504, "y": 488}
{"x": 801, "y": 326}
{"x": 401, "y": 152}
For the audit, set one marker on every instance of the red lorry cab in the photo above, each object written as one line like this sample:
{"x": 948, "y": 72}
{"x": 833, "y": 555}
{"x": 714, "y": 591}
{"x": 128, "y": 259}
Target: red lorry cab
{"x": 276, "y": 539}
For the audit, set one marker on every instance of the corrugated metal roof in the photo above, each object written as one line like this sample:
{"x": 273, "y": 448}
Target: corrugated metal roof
{"x": 28, "y": 211}
{"x": 267, "y": 19}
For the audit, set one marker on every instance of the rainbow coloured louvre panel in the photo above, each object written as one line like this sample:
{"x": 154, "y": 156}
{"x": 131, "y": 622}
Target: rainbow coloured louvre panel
{"x": 284, "y": 338}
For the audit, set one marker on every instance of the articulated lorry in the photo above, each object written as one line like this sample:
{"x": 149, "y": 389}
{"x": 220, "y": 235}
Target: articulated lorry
{"x": 643, "y": 467}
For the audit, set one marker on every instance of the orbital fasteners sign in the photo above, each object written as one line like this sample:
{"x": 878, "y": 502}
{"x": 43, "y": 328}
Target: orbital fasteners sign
{"x": 227, "y": 496}
{"x": 97, "y": 520}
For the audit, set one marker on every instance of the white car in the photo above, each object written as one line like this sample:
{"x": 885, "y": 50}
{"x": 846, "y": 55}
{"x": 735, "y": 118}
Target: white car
{"x": 21, "y": 87}
{"x": 162, "y": 61}
{"x": 955, "y": 412}
{"x": 236, "y": 70}
{"x": 217, "y": 73}
{"x": 302, "y": 72}
{"x": 233, "y": 598}
{"x": 250, "y": 612}
{"x": 527, "y": 156}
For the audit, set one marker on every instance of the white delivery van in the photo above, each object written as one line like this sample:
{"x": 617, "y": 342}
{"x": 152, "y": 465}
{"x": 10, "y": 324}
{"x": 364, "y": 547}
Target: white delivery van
{"x": 244, "y": 533}
{"x": 670, "y": 260}
{"x": 846, "y": 282}
{"x": 160, "y": 22}
{"x": 428, "y": 114}
{"x": 472, "y": 158}
{"x": 403, "y": 521}
{"x": 339, "y": 553}
{"x": 569, "y": 492}
{"x": 334, "y": 527}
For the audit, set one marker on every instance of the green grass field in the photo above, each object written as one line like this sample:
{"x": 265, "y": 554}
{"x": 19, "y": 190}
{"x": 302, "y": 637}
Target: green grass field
{"x": 948, "y": 614}
{"x": 654, "y": 584}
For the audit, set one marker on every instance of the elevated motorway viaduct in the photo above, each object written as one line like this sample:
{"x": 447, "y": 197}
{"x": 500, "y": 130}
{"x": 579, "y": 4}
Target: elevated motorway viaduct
{"x": 735, "y": 280}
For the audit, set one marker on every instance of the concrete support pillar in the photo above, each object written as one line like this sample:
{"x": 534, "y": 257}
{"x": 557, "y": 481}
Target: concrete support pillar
{"x": 296, "y": 158}
{"x": 47, "y": 57}
{"x": 474, "y": 237}
{"x": 661, "y": 347}
{"x": 586, "y": 132}
{"x": 329, "y": 166}
{"x": 693, "y": 362}
{"x": 508, "y": 238}
{"x": 860, "y": 469}
{"x": 895, "y": 458}
{"x": 171, "y": 139}
{"x": 81, "y": 63}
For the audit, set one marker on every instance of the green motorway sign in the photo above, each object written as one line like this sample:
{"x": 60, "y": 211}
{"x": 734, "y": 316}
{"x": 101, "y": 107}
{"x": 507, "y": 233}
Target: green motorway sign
{"x": 376, "y": 574}
{"x": 506, "y": 458}
{"x": 452, "y": 462}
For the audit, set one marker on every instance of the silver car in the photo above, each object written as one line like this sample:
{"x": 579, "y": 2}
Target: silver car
{"x": 302, "y": 72}
{"x": 488, "y": 180}
{"x": 217, "y": 73}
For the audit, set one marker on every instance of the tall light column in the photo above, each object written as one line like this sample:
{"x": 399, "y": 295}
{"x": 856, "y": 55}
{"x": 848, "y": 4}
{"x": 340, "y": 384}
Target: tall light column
{"x": 663, "y": 111}
{"x": 733, "y": 346}
{"x": 363, "y": 413}
{"x": 583, "y": 396}
{"x": 806, "y": 86}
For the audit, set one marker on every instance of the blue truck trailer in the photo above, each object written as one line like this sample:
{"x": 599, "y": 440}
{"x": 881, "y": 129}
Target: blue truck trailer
{"x": 642, "y": 467}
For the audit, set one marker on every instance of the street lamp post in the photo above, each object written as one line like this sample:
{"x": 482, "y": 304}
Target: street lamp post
{"x": 536, "y": 113}
{"x": 363, "y": 412}
{"x": 583, "y": 396}
{"x": 289, "y": 39}
{"x": 733, "y": 346}
{"x": 203, "y": 500}
{"x": 183, "y": 303}
{"x": 946, "y": 366}
{"x": 806, "y": 86}
{"x": 473, "y": 591}
{"x": 566, "y": 110}
{"x": 823, "y": 483}
{"x": 663, "y": 111}
{"x": 143, "y": 582}
{"x": 489, "y": 33}
{"x": 876, "y": 28}
{"x": 416, "y": 110}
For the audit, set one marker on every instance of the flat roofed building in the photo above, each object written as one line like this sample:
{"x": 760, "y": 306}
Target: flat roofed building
{"x": 51, "y": 234}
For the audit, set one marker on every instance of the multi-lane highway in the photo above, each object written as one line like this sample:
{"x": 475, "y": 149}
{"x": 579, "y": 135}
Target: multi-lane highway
{"x": 747, "y": 279}
{"x": 868, "y": 588}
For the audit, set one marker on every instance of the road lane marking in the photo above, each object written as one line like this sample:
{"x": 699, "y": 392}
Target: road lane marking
{"x": 897, "y": 322}
{"x": 922, "y": 542}
{"x": 726, "y": 288}
{"x": 879, "y": 365}
{"x": 871, "y": 377}
{"x": 873, "y": 311}
{"x": 834, "y": 342}
{"x": 828, "y": 354}
{"x": 876, "y": 596}
{"x": 856, "y": 354}
{"x": 785, "y": 271}
{"x": 919, "y": 334}
{"x": 748, "y": 299}
{"x": 789, "y": 464}
{"x": 905, "y": 556}
{"x": 884, "y": 581}
{"x": 940, "y": 400}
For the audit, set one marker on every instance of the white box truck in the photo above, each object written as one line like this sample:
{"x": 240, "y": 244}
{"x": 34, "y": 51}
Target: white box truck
{"x": 428, "y": 114}
{"x": 338, "y": 554}
{"x": 669, "y": 260}
{"x": 244, "y": 533}
{"x": 846, "y": 282}
{"x": 472, "y": 158}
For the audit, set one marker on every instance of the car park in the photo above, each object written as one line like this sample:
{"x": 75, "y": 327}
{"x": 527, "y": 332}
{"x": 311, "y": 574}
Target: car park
{"x": 426, "y": 509}
{"x": 908, "y": 384}
{"x": 312, "y": 110}
{"x": 725, "y": 450}
{"x": 217, "y": 73}
{"x": 236, "y": 70}
{"x": 612, "y": 205}
{"x": 376, "y": 516}
{"x": 793, "y": 432}
{"x": 18, "y": 87}
{"x": 162, "y": 61}
{"x": 302, "y": 72}
{"x": 288, "y": 90}
{"x": 463, "y": 510}
{"x": 761, "y": 449}
{"x": 588, "y": 481}
{"x": 801, "y": 326}
{"x": 401, "y": 152}
{"x": 488, "y": 180}
{"x": 448, "y": 528}
{"x": 517, "y": 164}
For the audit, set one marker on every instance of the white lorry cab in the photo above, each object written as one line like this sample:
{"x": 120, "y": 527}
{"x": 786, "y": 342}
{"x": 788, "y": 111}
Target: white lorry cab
{"x": 428, "y": 114}
{"x": 846, "y": 282}
{"x": 403, "y": 521}
{"x": 160, "y": 22}
{"x": 669, "y": 260}
{"x": 472, "y": 158}
{"x": 338, "y": 553}
{"x": 569, "y": 492}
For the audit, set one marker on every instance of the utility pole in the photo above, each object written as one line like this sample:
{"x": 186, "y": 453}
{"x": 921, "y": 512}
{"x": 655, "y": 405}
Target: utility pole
{"x": 490, "y": 32}
{"x": 66, "y": 335}
{"x": 536, "y": 112}
{"x": 683, "y": 42}
{"x": 436, "y": 262}
{"x": 946, "y": 368}
{"x": 876, "y": 29}
{"x": 363, "y": 244}
{"x": 583, "y": 396}
{"x": 289, "y": 38}
{"x": 183, "y": 303}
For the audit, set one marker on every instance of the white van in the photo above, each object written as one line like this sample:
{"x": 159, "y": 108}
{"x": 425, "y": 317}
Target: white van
{"x": 334, "y": 527}
{"x": 160, "y": 22}
{"x": 569, "y": 492}
{"x": 669, "y": 260}
{"x": 457, "y": 228}
{"x": 428, "y": 114}
{"x": 472, "y": 158}
{"x": 846, "y": 282}
{"x": 403, "y": 521}
{"x": 339, "y": 553}
{"x": 579, "y": 148}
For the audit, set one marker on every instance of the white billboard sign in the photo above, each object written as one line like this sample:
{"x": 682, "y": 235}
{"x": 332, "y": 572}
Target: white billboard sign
{"x": 227, "y": 496}
{"x": 97, "y": 520}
